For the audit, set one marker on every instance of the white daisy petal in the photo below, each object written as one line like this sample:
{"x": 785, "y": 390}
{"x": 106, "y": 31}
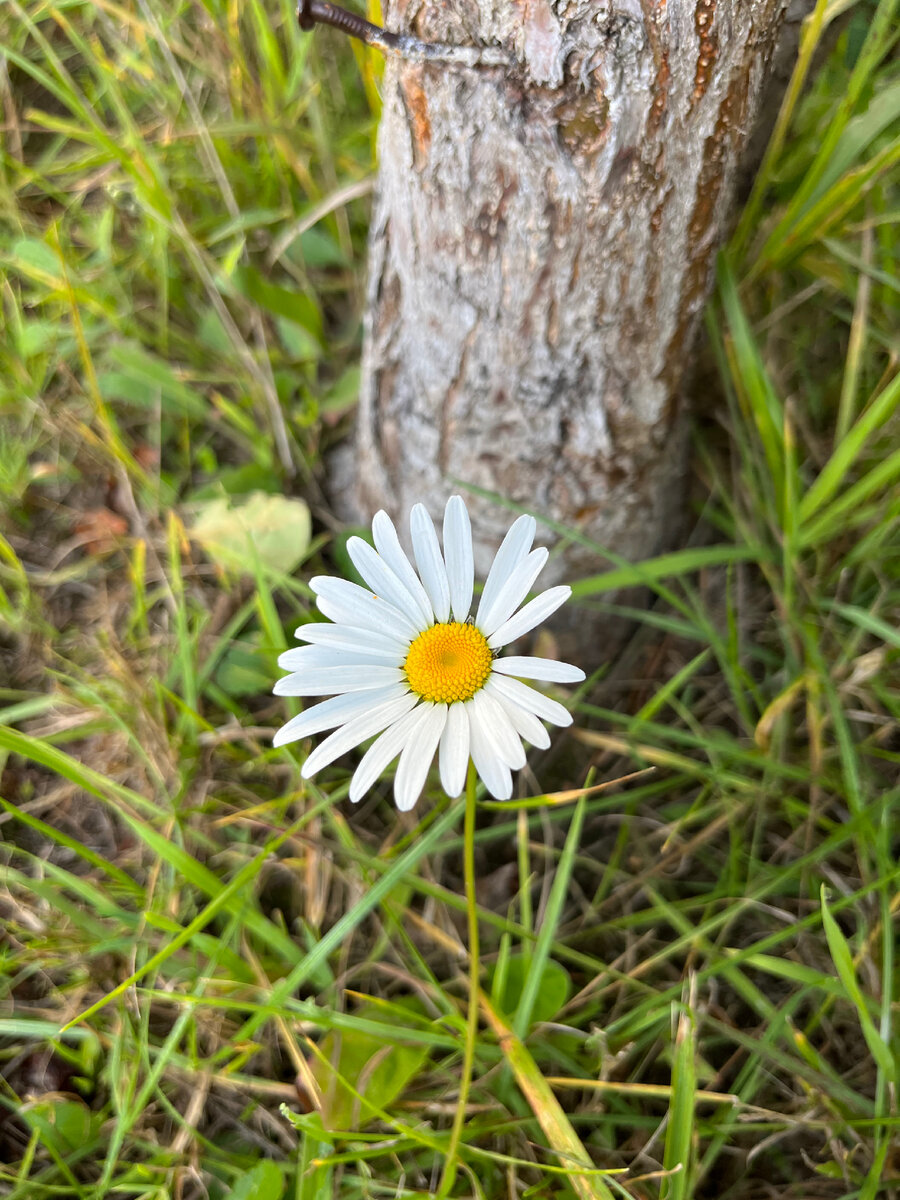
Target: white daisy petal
{"x": 539, "y": 668}
{"x": 351, "y": 734}
{"x": 385, "y": 749}
{"x": 532, "y": 614}
{"x": 388, "y": 546}
{"x": 498, "y": 730}
{"x": 528, "y": 698}
{"x": 384, "y": 583}
{"x": 513, "y": 549}
{"x": 454, "y": 754}
{"x": 488, "y": 763}
{"x": 301, "y": 658}
{"x": 330, "y": 681}
{"x": 513, "y": 592}
{"x": 339, "y": 709}
{"x": 458, "y": 556}
{"x": 346, "y": 637}
{"x": 430, "y": 561}
{"x": 349, "y": 604}
{"x": 524, "y": 722}
{"x": 416, "y": 757}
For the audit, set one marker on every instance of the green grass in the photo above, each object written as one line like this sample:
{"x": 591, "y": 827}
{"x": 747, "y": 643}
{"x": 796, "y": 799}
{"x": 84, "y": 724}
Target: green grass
{"x": 219, "y": 980}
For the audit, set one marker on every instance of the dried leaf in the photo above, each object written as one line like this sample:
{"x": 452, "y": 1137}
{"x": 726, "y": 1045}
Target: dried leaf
{"x": 100, "y": 530}
{"x": 237, "y": 532}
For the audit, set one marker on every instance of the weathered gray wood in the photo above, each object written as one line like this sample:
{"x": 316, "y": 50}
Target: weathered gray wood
{"x": 542, "y": 245}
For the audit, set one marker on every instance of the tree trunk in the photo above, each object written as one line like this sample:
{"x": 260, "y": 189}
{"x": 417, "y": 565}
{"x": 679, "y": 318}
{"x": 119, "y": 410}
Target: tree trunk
{"x": 542, "y": 246}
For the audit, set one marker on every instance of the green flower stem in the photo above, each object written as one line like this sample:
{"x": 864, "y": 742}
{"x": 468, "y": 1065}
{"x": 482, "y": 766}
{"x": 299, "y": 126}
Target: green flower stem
{"x": 465, "y": 1080}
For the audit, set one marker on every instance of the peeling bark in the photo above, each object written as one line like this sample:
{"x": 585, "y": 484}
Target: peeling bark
{"x": 542, "y": 247}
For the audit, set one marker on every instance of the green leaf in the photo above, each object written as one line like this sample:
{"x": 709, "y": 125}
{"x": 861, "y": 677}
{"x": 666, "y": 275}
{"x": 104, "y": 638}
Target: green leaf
{"x": 343, "y": 395}
{"x": 140, "y": 378}
{"x": 212, "y": 333}
{"x": 299, "y": 343}
{"x": 235, "y": 481}
{"x": 38, "y": 337}
{"x": 264, "y": 1181}
{"x": 278, "y": 300}
{"x": 360, "y": 1074}
{"x": 242, "y": 671}
{"x": 35, "y": 259}
{"x": 550, "y": 995}
{"x": 319, "y": 249}
{"x": 235, "y": 531}
{"x": 63, "y": 1125}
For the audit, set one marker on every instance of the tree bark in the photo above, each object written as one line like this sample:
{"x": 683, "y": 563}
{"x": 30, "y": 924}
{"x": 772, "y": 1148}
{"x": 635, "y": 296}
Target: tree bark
{"x": 542, "y": 245}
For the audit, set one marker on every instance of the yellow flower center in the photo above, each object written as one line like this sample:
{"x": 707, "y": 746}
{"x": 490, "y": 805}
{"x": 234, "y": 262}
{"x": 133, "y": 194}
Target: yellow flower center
{"x": 448, "y": 662}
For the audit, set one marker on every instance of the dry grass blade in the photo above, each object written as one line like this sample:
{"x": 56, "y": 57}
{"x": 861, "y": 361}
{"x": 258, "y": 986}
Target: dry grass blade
{"x": 585, "y": 1179}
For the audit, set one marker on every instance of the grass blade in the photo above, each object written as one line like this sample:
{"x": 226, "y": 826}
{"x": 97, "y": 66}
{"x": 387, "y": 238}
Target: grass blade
{"x": 843, "y": 961}
{"x": 679, "y": 1147}
{"x": 584, "y": 1178}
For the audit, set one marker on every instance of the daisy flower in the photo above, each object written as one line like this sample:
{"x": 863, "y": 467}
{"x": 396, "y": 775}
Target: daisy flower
{"x": 408, "y": 662}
